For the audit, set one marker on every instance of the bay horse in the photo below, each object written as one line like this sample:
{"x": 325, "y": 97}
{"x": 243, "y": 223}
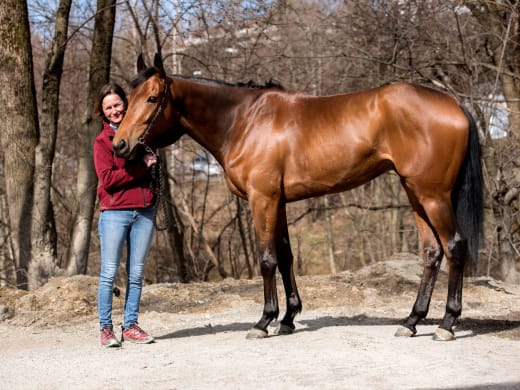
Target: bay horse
{"x": 277, "y": 147}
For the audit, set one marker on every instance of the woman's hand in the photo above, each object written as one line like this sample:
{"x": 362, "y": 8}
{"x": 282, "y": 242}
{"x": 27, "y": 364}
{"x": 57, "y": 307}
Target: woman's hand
{"x": 150, "y": 159}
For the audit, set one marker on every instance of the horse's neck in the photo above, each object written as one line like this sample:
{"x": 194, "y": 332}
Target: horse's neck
{"x": 208, "y": 112}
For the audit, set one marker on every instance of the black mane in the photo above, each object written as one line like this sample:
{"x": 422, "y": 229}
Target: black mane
{"x": 149, "y": 72}
{"x": 142, "y": 77}
{"x": 253, "y": 84}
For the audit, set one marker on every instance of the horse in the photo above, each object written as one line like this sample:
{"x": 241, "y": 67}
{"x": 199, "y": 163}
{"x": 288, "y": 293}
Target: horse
{"x": 277, "y": 146}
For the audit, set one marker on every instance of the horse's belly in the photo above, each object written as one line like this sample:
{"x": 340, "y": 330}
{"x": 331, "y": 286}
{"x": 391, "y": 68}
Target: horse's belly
{"x": 310, "y": 183}
{"x": 309, "y": 189}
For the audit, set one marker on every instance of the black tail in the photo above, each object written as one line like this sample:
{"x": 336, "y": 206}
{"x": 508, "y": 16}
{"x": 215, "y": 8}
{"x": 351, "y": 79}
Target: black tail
{"x": 467, "y": 195}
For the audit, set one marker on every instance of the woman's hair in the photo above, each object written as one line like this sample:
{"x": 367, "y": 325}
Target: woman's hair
{"x": 108, "y": 89}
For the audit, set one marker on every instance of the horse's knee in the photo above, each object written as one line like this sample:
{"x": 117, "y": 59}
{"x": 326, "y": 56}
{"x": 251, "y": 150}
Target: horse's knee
{"x": 268, "y": 263}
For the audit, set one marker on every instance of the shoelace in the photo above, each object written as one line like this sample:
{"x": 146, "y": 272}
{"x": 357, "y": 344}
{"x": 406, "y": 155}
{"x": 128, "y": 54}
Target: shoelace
{"x": 108, "y": 331}
{"x": 137, "y": 330}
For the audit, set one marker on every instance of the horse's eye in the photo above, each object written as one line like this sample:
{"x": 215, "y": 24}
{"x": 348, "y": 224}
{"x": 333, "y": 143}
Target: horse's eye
{"x": 152, "y": 99}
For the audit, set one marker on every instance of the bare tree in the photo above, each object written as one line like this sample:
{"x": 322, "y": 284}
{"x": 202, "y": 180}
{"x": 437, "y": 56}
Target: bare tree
{"x": 469, "y": 49}
{"x": 99, "y": 74}
{"x": 500, "y": 22}
{"x": 44, "y": 239}
{"x": 18, "y": 128}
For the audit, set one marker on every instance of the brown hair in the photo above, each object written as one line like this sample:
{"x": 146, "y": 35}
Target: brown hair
{"x": 108, "y": 89}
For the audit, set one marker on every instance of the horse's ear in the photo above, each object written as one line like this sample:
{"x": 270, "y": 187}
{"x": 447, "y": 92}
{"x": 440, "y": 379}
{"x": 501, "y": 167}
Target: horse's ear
{"x": 159, "y": 65}
{"x": 140, "y": 63}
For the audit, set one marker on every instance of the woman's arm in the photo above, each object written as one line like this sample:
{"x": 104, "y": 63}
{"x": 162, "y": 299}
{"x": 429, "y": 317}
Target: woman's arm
{"x": 110, "y": 176}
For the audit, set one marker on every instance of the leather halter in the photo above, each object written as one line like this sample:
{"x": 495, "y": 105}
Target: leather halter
{"x": 156, "y": 170}
{"x": 142, "y": 138}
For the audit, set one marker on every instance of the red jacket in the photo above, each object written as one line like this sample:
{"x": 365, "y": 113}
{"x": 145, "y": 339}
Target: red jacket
{"x": 123, "y": 184}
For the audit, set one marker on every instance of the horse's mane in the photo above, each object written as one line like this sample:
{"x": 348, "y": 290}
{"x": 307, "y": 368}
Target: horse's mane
{"x": 249, "y": 84}
{"x": 142, "y": 77}
{"x": 149, "y": 72}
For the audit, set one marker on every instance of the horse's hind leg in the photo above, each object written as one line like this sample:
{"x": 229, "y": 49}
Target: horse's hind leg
{"x": 456, "y": 264}
{"x": 441, "y": 217}
{"x": 285, "y": 264}
{"x": 455, "y": 247}
{"x": 432, "y": 255}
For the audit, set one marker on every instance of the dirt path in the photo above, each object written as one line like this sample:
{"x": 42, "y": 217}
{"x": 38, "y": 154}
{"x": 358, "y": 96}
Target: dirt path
{"x": 344, "y": 337}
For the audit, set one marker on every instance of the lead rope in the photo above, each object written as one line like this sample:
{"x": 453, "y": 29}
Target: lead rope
{"x": 158, "y": 189}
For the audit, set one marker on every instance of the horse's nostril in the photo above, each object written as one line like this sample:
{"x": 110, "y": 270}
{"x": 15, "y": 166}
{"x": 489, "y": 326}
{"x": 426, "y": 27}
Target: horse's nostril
{"x": 120, "y": 146}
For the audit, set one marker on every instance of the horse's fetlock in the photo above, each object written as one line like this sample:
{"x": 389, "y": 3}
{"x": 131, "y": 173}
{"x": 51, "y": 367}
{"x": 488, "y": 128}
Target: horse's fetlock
{"x": 294, "y": 303}
{"x": 421, "y": 313}
{"x": 454, "y": 308}
{"x": 271, "y": 312}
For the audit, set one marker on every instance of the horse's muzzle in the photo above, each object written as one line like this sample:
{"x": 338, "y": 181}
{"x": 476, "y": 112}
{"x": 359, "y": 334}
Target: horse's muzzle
{"x": 122, "y": 149}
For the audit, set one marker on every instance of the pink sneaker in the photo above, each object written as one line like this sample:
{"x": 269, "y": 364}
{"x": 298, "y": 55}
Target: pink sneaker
{"x": 135, "y": 334}
{"x": 108, "y": 338}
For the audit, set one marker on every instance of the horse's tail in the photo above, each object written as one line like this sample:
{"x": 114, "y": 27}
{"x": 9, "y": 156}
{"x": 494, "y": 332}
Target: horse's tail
{"x": 467, "y": 195}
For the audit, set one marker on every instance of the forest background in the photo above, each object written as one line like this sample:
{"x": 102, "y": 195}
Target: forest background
{"x": 55, "y": 54}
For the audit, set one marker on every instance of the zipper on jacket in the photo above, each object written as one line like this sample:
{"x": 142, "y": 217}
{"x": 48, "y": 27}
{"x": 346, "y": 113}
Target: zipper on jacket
{"x": 144, "y": 197}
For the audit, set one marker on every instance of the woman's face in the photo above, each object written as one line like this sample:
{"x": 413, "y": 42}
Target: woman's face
{"x": 113, "y": 108}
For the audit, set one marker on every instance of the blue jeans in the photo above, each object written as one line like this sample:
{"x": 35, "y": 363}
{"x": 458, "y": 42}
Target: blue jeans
{"x": 135, "y": 227}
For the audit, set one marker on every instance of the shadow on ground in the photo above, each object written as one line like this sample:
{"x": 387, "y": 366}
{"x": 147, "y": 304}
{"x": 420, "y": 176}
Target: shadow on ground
{"x": 476, "y": 326}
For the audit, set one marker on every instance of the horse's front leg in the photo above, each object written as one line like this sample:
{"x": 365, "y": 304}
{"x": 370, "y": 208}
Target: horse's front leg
{"x": 265, "y": 218}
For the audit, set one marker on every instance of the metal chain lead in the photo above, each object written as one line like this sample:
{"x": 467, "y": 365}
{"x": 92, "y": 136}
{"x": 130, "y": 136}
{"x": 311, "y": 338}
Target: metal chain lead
{"x": 158, "y": 189}
{"x": 156, "y": 170}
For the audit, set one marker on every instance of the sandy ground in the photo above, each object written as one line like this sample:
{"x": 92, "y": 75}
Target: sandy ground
{"x": 344, "y": 337}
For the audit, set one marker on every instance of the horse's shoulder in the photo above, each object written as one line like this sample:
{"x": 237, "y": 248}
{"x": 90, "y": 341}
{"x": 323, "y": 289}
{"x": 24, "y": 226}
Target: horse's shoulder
{"x": 280, "y": 96}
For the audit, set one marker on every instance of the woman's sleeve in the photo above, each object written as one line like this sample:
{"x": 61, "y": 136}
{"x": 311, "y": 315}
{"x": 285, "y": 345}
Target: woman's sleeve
{"x": 111, "y": 177}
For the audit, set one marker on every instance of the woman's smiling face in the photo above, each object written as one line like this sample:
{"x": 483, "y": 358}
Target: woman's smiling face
{"x": 113, "y": 108}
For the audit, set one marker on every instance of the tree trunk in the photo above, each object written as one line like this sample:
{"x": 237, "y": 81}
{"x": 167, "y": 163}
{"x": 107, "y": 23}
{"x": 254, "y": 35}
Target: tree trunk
{"x": 99, "y": 75}
{"x": 501, "y": 22}
{"x": 18, "y": 128}
{"x": 44, "y": 237}
{"x": 330, "y": 235}
{"x": 7, "y": 271}
{"x": 175, "y": 229}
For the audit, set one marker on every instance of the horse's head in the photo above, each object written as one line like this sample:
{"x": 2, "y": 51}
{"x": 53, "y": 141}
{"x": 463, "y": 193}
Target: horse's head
{"x": 150, "y": 120}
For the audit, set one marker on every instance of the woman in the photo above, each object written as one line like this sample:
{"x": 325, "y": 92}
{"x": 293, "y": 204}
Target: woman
{"x": 127, "y": 211}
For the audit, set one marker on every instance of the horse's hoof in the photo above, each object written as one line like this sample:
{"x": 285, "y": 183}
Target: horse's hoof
{"x": 443, "y": 335}
{"x": 403, "y": 331}
{"x": 254, "y": 334}
{"x": 284, "y": 330}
